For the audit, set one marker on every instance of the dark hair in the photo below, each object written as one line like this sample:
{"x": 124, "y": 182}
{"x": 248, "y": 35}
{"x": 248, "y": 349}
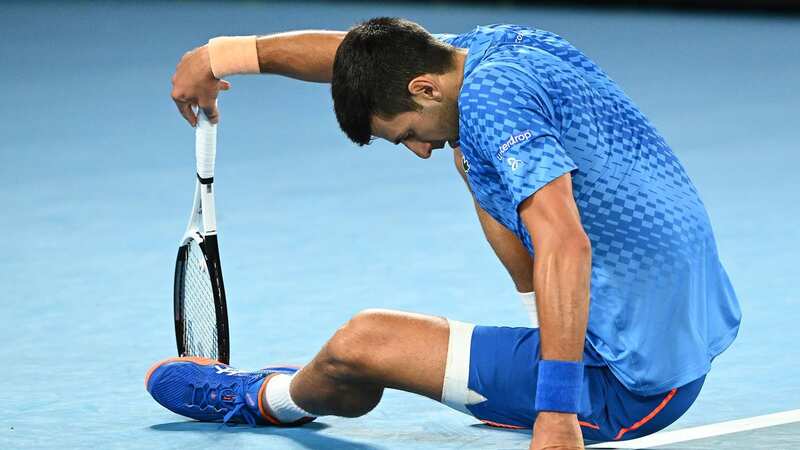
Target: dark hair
{"x": 373, "y": 66}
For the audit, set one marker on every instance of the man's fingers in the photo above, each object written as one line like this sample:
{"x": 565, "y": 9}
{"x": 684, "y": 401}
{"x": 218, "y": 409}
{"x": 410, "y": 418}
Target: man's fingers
{"x": 185, "y": 109}
{"x": 211, "y": 111}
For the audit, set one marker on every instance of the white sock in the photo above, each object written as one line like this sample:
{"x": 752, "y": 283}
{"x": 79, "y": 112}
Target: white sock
{"x": 529, "y": 301}
{"x": 279, "y": 401}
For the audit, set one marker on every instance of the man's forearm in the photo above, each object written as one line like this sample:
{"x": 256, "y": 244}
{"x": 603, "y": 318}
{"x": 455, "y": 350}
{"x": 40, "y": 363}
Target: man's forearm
{"x": 561, "y": 277}
{"x": 506, "y": 245}
{"x": 303, "y": 55}
{"x": 509, "y": 250}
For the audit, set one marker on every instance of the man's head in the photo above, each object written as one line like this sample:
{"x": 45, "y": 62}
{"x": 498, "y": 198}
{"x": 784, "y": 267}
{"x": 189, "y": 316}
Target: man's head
{"x": 392, "y": 79}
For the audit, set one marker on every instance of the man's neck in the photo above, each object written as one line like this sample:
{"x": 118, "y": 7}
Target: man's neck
{"x": 455, "y": 77}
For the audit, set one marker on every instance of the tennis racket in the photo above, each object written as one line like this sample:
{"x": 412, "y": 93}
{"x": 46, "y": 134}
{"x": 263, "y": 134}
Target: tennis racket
{"x": 201, "y": 315}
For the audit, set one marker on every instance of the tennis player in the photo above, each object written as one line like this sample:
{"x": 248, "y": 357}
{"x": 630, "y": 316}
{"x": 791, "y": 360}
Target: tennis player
{"x": 633, "y": 302}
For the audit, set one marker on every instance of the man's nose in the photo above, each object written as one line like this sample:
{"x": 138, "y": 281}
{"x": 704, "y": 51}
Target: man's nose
{"x": 421, "y": 149}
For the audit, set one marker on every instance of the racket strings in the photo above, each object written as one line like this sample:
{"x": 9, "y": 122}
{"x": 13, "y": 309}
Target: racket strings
{"x": 200, "y": 318}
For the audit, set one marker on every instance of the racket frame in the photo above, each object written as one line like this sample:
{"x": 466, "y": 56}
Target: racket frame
{"x": 202, "y": 229}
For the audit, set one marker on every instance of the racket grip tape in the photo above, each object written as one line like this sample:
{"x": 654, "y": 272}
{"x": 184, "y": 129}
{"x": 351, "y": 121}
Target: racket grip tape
{"x": 205, "y": 148}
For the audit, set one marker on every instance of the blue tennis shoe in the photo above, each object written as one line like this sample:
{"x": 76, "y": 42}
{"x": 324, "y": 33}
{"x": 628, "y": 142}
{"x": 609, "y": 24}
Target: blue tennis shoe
{"x": 210, "y": 391}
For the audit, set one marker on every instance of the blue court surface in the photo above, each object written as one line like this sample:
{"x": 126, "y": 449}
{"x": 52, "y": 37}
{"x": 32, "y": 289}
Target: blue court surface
{"x": 98, "y": 172}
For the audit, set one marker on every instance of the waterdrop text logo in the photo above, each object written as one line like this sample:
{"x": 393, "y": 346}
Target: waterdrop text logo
{"x": 512, "y": 141}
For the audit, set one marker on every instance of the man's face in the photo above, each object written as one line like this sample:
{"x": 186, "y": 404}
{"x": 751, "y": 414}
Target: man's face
{"x": 423, "y": 131}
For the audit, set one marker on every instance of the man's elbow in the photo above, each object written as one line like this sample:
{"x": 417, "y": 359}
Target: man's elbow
{"x": 579, "y": 244}
{"x": 574, "y": 244}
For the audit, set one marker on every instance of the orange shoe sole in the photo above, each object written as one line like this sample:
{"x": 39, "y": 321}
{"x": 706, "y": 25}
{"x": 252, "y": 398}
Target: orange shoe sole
{"x": 194, "y": 359}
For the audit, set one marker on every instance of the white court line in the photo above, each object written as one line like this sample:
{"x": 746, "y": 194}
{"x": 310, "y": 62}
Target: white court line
{"x": 705, "y": 431}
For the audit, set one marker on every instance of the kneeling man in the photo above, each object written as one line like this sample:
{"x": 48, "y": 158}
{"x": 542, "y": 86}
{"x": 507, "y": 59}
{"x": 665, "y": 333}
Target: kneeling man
{"x": 560, "y": 163}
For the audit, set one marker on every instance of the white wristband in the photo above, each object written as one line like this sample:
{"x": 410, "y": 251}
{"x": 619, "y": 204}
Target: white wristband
{"x": 529, "y": 301}
{"x": 230, "y": 55}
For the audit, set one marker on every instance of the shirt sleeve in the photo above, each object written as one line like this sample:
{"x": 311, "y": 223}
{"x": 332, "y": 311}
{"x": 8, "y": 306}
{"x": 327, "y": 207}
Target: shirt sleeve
{"x": 509, "y": 118}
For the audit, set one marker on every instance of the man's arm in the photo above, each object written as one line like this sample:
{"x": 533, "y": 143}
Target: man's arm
{"x": 303, "y": 55}
{"x": 508, "y": 248}
{"x": 561, "y": 272}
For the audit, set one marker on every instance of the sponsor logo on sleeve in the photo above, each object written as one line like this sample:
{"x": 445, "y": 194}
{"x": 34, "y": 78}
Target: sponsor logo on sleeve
{"x": 514, "y": 163}
{"x": 512, "y": 141}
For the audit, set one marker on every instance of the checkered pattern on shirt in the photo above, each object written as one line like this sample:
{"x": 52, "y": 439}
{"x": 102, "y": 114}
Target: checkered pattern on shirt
{"x": 637, "y": 205}
{"x": 661, "y": 303}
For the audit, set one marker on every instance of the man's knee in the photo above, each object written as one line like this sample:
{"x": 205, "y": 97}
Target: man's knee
{"x": 352, "y": 352}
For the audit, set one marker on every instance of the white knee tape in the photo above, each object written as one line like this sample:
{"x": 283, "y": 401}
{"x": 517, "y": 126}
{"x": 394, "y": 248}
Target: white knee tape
{"x": 455, "y": 390}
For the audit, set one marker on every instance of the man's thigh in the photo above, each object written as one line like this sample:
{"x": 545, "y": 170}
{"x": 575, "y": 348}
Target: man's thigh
{"x": 499, "y": 386}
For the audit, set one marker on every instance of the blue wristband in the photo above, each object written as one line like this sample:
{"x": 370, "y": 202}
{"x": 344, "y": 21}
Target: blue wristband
{"x": 558, "y": 387}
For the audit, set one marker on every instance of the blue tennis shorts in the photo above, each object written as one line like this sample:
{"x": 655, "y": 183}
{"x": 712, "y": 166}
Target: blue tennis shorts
{"x": 491, "y": 374}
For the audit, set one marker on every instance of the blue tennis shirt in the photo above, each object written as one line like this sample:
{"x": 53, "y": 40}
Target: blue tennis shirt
{"x": 532, "y": 108}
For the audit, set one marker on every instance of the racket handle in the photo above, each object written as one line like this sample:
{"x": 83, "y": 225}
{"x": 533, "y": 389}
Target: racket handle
{"x": 205, "y": 147}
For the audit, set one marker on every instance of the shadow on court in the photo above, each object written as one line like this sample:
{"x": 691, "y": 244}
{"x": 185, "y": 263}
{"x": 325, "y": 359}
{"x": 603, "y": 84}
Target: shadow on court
{"x": 307, "y": 436}
{"x": 488, "y": 428}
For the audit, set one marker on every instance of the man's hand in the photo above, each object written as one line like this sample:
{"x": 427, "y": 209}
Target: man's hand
{"x": 194, "y": 84}
{"x": 303, "y": 55}
{"x": 556, "y": 431}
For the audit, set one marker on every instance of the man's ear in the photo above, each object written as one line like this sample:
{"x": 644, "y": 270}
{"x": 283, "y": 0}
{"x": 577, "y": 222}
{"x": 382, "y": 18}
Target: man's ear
{"x": 425, "y": 87}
